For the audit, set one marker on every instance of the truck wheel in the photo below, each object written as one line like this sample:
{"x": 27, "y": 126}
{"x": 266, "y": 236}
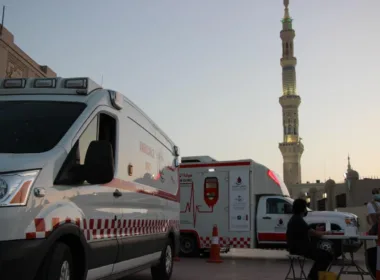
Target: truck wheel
{"x": 189, "y": 247}
{"x": 58, "y": 264}
{"x": 164, "y": 269}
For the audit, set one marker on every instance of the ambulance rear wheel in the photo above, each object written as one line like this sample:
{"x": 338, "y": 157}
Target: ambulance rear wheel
{"x": 58, "y": 264}
{"x": 189, "y": 246}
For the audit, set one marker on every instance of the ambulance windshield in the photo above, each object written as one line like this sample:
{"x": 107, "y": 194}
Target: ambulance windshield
{"x": 35, "y": 126}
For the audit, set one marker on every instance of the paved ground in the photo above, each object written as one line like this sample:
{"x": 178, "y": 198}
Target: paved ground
{"x": 238, "y": 265}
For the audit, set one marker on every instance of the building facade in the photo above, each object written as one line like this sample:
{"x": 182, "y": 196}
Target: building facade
{"x": 291, "y": 148}
{"x": 330, "y": 195}
{"x": 14, "y": 63}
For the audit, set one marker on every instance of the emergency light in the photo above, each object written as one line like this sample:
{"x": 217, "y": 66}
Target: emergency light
{"x": 45, "y": 83}
{"x": 14, "y": 83}
{"x": 80, "y": 83}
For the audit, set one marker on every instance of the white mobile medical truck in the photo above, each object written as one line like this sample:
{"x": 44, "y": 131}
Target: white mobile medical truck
{"x": 248, "y": 202}
{"x": 88, "y": 184}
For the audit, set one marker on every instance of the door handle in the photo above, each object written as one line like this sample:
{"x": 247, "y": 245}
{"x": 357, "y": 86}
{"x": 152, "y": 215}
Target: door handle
{"x": 267, "y": 218}
{"x": 117, "y": 193}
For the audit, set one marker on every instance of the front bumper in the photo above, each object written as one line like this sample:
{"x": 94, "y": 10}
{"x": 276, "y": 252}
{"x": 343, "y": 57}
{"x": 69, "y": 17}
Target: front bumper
{"x": 20, "y": 259}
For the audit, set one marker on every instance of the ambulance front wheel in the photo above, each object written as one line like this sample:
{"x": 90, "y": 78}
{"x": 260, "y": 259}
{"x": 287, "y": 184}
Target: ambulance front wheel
{"x": 58, "y": 265}
{"x": 189, "y": 245}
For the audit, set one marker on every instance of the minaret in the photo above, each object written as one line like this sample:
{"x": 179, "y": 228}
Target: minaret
{"x": 291, "y": 147}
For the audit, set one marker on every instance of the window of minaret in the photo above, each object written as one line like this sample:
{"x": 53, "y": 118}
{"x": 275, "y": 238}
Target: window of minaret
{"x": 291, "y": 48}
{"x": 290, "y": 131}
{"x": 287, "y": 49}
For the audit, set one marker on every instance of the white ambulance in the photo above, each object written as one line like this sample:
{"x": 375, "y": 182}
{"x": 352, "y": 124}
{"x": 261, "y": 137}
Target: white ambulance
{"x": 88, "y": 184}
{"x": 248, "y": 202}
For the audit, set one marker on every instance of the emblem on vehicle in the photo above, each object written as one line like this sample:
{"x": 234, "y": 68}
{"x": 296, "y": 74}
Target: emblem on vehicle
{"x": 238, "y": 181}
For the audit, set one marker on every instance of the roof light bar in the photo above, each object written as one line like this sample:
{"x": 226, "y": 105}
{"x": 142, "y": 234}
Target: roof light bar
{"x": 14, "y": 83}
{"x": 45, "y": 83}
{"x": 81, "y": 83}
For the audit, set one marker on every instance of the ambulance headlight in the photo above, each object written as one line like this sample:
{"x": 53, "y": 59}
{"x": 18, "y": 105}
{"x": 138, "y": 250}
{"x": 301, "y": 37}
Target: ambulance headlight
{"x": 3, "y": 189}
{"x": 15, "y": 187}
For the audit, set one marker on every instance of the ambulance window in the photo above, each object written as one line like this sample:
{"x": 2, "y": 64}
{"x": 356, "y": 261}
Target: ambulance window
{"x": 89, "y": 135}
{"x": 102, "y": 127}
{"x": 276, "y": 206}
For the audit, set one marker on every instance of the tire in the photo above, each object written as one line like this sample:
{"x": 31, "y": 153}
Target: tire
{"x": 164, "y": 269}
{"x": 58, "y": 264}
{"x": 188, "y": 246}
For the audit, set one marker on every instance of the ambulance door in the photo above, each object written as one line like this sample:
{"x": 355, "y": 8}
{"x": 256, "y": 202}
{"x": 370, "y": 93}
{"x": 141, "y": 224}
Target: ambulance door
{"x": 272, "y": 220}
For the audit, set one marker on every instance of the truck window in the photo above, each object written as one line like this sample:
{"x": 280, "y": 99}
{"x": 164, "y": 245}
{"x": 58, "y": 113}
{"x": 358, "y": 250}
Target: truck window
{"x": 276, "y": 206}
{"x": 334, "y": 227}
{"x": 102, "y": 127}
{"x": 35, "y": 126}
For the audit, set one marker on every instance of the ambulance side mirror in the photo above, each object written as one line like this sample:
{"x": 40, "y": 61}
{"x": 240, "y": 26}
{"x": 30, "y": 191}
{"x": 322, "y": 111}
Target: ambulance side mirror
{"x": 99, "y": 164}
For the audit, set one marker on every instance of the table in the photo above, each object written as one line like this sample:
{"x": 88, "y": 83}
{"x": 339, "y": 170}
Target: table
{"x": 346, "y": 263}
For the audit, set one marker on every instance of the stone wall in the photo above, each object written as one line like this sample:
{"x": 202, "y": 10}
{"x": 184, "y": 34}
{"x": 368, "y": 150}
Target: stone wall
{"x": 15, "y": 63}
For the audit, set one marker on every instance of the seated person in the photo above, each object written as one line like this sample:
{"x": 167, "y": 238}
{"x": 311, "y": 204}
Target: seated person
{"x": 298, "y": 237}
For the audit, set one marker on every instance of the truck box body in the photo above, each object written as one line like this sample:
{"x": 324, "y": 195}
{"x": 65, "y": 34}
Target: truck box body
{"x": 248, "y": 202}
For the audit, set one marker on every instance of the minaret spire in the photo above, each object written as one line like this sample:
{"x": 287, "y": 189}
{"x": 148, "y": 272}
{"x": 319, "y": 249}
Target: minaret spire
{"x": 291, "y": 147}
{"x": 349, "y": 163}
{"x": 286, "y": 4}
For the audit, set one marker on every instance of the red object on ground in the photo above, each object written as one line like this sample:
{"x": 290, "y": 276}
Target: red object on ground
{"x": 215, "y": 247}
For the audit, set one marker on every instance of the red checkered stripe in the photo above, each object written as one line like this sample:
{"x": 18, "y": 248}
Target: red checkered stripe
{"x": 95, "y": 229}
{"x": 206, "y": 241}
{"x": 233, "y": 242}
{"x": 240, "y": 242}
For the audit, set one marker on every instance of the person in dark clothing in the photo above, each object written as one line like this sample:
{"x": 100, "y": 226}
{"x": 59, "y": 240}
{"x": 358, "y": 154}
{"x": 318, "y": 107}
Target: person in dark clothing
{"x": 298, "y": 237}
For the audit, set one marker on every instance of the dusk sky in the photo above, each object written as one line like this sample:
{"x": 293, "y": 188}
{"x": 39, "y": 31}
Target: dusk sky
{"x": 208, "y": 71}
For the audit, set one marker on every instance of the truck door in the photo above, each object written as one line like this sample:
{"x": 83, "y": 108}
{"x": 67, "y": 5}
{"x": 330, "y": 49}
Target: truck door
{"x": 272, "y": 220}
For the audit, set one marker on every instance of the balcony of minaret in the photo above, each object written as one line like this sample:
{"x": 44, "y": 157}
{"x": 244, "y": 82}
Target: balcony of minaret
{"x": 287, "y": 35}
{"x": 292, "y": 151}
{"x": 288, "y": 101}
{"x": 288, "y": 61}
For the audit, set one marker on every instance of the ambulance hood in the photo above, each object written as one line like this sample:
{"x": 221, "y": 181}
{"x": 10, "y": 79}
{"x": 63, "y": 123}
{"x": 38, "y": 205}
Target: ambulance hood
{"x": 19, "y": 162}
{"x": 326, "y": 214}
{"x": 329, "y": 214}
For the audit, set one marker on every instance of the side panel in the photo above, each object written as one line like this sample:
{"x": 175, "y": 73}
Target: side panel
{"x": 198, "y": 215}
{"x": 148, "y": 181}
{"x": 240, "y": 219}
{"x": 231, "y": 213}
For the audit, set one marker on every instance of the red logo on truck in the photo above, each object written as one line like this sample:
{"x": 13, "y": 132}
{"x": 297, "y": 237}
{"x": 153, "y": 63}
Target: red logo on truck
{"x": 211, "y": 191}
{"x": 238, "y": 181}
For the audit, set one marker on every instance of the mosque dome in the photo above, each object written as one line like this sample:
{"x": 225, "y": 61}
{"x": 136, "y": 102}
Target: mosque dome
{"x": 352, "y": 175}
